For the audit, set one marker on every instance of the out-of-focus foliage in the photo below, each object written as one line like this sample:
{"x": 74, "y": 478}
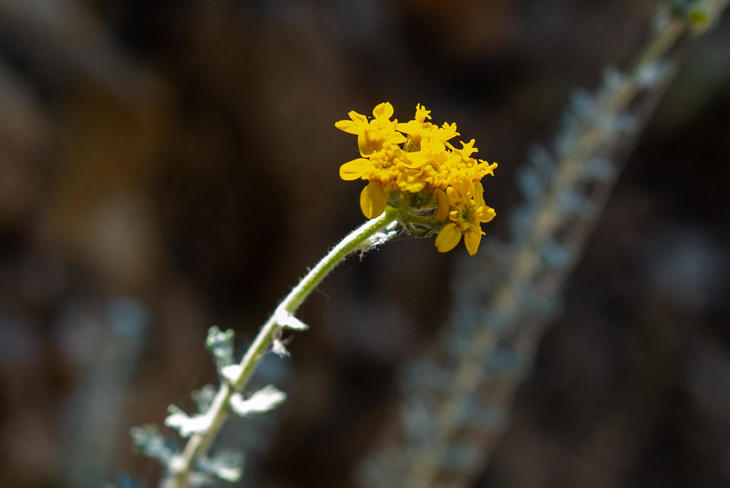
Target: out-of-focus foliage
{"x": 178, "y": 159}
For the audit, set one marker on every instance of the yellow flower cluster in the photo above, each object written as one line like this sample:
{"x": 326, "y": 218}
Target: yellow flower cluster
{"x": 413, "y": 167}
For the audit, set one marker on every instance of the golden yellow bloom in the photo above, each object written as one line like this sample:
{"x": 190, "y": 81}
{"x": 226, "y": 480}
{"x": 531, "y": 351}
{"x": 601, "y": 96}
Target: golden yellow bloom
{"x": 467, "y": 213}
{"x": 372, "y": 135}
{"x": 412, "y": 166}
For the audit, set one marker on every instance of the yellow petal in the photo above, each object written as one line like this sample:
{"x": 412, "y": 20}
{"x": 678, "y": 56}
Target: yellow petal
{"x": 486, "y": 214}
{"x": 383, "y": 110}
{"x": 359, "y": 118}
{"x": 408, "y": 127}
{"x": 448, "y": 237}
{"x": 414, "y": 159}
{"x": 468, "y": 148}
{"x": 348, "y": 126}
{"x": 465, "y": 187}
{"x": 448, "y": 131}
{"x": 373, "y": 199}
{"x": 396, "y": 138}
{"x": 479, "y": 194}
{"x": 355, "y": 169}
{"x": 433, "y": 146}
{"x": 472, "y": 238}
{"x": 421, "y": 113}
{"x": 453, "y": 195}
{"x": 443, "y": 210}
{"x": 489, "y": 167}
{"x": 366, "y": 144}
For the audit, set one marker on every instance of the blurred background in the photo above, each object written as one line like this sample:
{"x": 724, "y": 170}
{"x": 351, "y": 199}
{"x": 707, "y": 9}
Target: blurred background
{"x": 166, "y": 166}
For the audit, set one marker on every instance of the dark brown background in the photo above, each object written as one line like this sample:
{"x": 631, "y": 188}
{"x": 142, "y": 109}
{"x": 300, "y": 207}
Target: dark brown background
{"x": 166, "y": 166}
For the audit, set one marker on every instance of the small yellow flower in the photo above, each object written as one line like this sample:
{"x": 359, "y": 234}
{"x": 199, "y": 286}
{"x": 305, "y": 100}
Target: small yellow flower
{"x": 372, "y": 135}
{"x": 413, "y": 167}
{"x": 468, "y": 213}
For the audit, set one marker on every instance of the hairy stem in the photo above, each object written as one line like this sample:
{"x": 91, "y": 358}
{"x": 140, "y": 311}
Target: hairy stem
{"x": 181, "y": 468}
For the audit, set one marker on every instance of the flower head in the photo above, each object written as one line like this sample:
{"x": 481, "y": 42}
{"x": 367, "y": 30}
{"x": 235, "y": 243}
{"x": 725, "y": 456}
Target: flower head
{"x": 412, "y": 166}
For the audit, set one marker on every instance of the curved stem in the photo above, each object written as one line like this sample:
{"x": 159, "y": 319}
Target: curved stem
{"x": 181, "y": 467}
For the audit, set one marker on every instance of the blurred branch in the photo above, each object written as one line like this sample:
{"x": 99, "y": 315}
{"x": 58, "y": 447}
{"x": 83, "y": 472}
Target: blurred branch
{"x": 456, "y": 405}
{"x": 95, "y": 409}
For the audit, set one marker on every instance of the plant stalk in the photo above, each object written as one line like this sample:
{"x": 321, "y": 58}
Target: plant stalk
{"x": 181, "y": 468}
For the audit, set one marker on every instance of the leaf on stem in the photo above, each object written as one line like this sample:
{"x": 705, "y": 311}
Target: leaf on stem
{"x": 289, "y": 321}
{"x": 267, "y": 398}
{"x": 226, "y": 465}
{"x": 280, "y": 349}
{"x": 220, "y": 344}
{"x": 185, "y": 424}
{"x": 148, "y": 441}
{"x": 231, "y": 373}
{"x": 203, "y": 398}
